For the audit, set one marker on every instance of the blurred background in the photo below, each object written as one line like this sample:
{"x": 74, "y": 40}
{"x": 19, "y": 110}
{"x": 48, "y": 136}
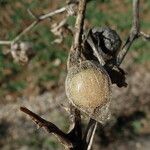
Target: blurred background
{"x": 39, "y": 84}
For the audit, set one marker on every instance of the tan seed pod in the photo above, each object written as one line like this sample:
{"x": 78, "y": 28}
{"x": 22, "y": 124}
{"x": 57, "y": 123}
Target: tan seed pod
{"x": 88, "y": 88}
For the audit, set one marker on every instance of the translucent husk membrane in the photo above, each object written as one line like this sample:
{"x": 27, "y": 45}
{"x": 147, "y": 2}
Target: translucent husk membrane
{"x": 88, "y": 88}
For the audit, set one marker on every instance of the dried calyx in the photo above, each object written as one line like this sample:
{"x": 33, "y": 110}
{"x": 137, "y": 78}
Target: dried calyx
{"x": 88, "y": 88}
{"x": 107, "y": 38}
{"x": 107, "y": 41}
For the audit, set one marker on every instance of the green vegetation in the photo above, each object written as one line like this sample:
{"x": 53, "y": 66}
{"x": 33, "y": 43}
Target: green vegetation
{"x": 137, "y": 125}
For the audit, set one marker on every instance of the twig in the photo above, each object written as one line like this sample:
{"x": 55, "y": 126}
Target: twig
{"x": 50, "y": 127}
{"x": 34, "y": 23}
{"x": 58, "y": 11}
{"x": 75, "y": 50}
{"x": 96, "y": 53}
{"x": 79, "y": 24}
{"x": 92, "y": 136}
{"x": 77, "y": 127}
{"x": 89, "y": 134}
{"x": 5, "y": 42}
{"x": 145, "y": 36}
{"x": 134, "y": 33}
{"x": 32, "y": 14}
{"x": 136, "y": 16}
{"x": 57, "y": 29}
{"x": 25, "y": 31}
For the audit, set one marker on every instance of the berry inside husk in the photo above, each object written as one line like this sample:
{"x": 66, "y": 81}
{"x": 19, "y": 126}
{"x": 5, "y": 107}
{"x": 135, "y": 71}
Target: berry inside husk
{"x": 88, "y": 87}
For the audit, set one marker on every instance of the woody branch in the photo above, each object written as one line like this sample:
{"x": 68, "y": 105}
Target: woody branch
{"x": 135, "y": 32}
